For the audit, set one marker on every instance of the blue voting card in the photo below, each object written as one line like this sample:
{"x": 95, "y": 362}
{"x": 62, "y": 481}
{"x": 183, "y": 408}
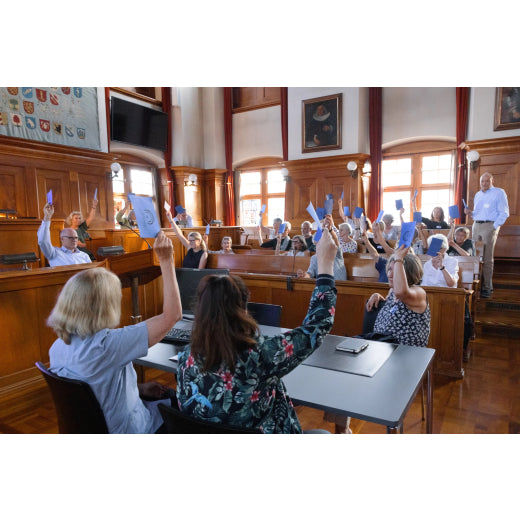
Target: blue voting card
{"x": 179, "y": 209}
{"x": 342, "y": 195}
{"x": 49, "y": 197}
{"x": 329, "y": 196}
{"x": 329, "y": 206}
{"x": 313, "y": 214}
{"x": 95, "y": 195}
{"x": 435, "y": 246}
{"x": 464, "y": 202}
{"x": 262, "y": 209}
{"x": 207, "y": 229}
{"x": 380, "y": 216}
{"x": 358, "y": 212}
{"x": 346, "y": 211}
{"x": 407, "y": 232}
{"x": 399, "y": 204}
{"x": 417, "y": 216}
{"x": 147, "y": 220}
{"x": 454, "y": 211}
{"x": 317, "y": 235}
{"x": 281, "y": 229}
{"x": 415, "y": 194}
{"x": 321, "y": 213}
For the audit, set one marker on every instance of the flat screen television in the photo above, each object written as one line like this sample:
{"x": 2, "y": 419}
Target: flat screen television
{"x": 188, "y": 280}
{"x": 136, "y": 124}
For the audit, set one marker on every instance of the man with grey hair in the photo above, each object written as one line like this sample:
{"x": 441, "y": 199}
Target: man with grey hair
{"x": 68, "y": 253}
{"x": 490, "y": 211}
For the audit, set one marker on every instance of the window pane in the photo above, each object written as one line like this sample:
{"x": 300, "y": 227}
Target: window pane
{"x": 397, "y": 172}
{"x": 436, "y": 169}
{"x": 249, "y": 210}
{"x": 118, "y": 183}
{"x": 275, "y": 209}
{"x": 389, "y": 199}
{"x": 275, "y": 182}
{"x": 250, "y": 183}
{"x": 434, "y": 198}
{"x": 141, "y": 182}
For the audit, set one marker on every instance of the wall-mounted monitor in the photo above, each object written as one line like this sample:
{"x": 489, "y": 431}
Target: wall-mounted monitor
{"x": 136, "y": 124}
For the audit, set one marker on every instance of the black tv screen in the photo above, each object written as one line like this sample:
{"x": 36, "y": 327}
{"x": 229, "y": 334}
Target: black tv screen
{"x": 136, "y": 124}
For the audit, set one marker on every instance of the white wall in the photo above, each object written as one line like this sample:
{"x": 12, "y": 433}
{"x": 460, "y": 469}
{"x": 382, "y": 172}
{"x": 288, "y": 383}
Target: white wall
{"x": 213, "y": 128}
{"x": 482, "y": 116}
{"x": 411, "y": 114}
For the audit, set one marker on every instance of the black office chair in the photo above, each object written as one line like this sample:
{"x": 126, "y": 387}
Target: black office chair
{"x": 265, "y": 313}
{"x": 179, "y": 423}
{"x": 76, "y": 405}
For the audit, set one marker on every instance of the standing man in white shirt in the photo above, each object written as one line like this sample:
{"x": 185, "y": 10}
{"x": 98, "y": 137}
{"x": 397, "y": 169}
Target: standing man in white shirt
{"x": 68, "y": 253}
{"x": 490, "y": 211}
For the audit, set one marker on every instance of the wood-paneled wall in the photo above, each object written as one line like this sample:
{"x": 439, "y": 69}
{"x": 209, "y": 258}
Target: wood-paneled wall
{"x": 310, "y": 180}
{"x": 501, "y": 158}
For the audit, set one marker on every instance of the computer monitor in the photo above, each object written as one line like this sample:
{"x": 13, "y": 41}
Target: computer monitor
{"x": 188, "y": 280}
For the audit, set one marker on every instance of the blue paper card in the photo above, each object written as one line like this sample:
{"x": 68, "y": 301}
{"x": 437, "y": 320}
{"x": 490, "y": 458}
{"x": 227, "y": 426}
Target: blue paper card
{"x": 321, "y": 213}
{"x": 49, "y": 197}
{"x": 346, "y": 211}
{"x": 262, "y": 209}
{"x": 281, "y": 229}
{"x": 329, "y": 206}
{"x": 407, "y": 232}
{"x": 417, "y": 216}
{"x": 317, "y": 235}
{"x": 342, "y": 195}
{"x": 380, "y": 216}
{"x": 95, "y": 195}
{"x": 313, "y": 214}
{"x": 454, "y": 211}
{"x": 147, "y": 220}
{"x": 358, "y": 212}
{"x": 399, "y": 204}
{"x": 464, "y": 202}
{"x": 435, "y": 246}
{"x": 207, "y": 229}
{"x": 415, "y": 194}
{"x": 329, "y": 196}
{"x": 179, "y": 209}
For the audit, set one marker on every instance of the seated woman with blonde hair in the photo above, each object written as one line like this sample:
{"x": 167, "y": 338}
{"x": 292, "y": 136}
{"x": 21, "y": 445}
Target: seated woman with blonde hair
{"x": 196, "y": 250}
{"x": 90, "y": 346}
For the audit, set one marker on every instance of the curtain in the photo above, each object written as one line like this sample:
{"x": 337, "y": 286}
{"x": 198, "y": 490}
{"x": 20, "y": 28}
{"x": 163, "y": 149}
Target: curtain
{"x": 285, "y": 125}
{"x": 228, "y": 134}
{"x": 375, "y": 118}
{"x": 167, "y": 107}
{"x": 462, "y": 100}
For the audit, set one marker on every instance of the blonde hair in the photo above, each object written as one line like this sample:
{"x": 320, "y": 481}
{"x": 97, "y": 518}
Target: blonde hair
{"x": 89, "y": 302}
{"x": 197, "y": 236}
{"x": 68, "y": 220}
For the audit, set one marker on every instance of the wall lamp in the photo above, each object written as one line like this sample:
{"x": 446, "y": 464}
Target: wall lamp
{"x": 285, "y": 174}
{"x": 473, "y": 157}
{"x": 352, "y": 168}
{"x": 116, "y": 168}
{"x": 192, "y": 180}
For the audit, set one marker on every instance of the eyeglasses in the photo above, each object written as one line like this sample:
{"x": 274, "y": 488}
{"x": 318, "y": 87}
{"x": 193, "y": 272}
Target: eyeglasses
{"x": 72, "y": 238}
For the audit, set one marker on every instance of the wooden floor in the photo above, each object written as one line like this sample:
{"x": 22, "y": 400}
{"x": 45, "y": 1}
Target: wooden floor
{"x": 486, "y": 400}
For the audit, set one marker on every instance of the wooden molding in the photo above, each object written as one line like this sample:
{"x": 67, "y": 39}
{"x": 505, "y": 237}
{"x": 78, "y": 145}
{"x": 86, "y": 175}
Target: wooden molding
{"x": 495, "y": 146}
{"x": 332, "y": 162}
{"x": 135, "y": 95}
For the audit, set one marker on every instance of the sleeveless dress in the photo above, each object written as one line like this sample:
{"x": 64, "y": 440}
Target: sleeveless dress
{"x": 192, "y": 259}
{"x": 407, "y": 326}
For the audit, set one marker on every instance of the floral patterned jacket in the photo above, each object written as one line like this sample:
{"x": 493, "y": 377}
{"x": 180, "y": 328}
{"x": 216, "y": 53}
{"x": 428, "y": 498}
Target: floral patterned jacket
{"x": 255, "y": 396}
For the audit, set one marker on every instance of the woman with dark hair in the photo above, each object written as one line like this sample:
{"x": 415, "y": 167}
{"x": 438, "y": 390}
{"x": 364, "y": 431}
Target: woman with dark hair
{"x": 232, "y": 374}
{"x": 436, "y": 220}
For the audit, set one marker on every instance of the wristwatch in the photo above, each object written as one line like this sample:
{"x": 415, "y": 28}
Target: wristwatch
{"x": 442, "y": 268}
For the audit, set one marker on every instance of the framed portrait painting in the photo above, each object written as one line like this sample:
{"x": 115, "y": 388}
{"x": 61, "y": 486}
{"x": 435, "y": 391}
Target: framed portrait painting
{"x": 321, "y": 123}
{"x": 507, "y": 108}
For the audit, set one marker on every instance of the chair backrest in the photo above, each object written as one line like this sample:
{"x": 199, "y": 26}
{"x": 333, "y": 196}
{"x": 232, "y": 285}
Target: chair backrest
{"x": 265, "y": 313}
{"x": 76, "y": 405}
{"x": 177, "y": 422}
